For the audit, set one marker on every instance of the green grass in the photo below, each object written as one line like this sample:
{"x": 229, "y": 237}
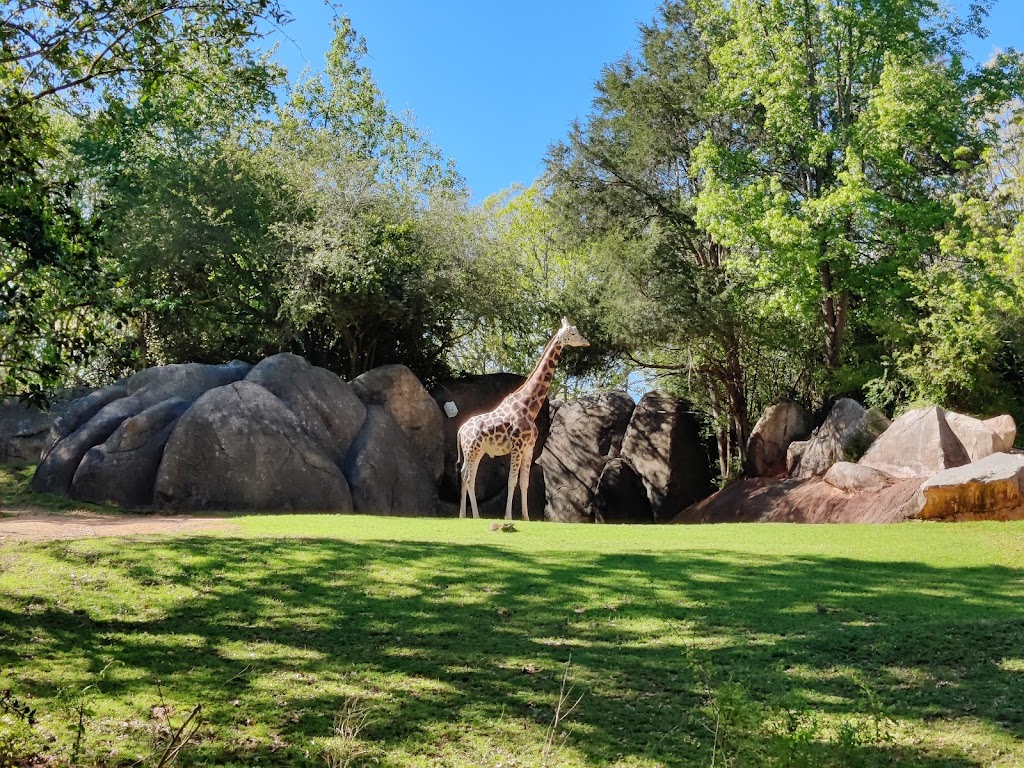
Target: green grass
{"x": 717, "y": 645}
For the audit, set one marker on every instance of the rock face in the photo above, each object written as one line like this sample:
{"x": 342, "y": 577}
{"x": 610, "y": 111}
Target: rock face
{"x": 663, "y": 445}
{"x": 397, "y": 389}
{"x": 25, "y": 428}
{"x": 770, "y": 438}
{"x": 122, "y": 470}
{"x": 621, "y": 496}
{"x": 239, "y": 447}
{"x": 919, "y": 443}
{"x": 384, "y": 470}
{"x": 186, "y": 381}
{"x": 584, "y": 436}
{"x": 472, "y": 395}
{"x": 856, "y": 478}
{"x": 847, "y": 431}
{"x": 977, "y": 437}
{"x": 60, "y": 462}
{"x": 770, "y": 500}
{"x": 1006, "y": 428}
{"x": 989, "y": 489}
{"x": 325, "y": 405}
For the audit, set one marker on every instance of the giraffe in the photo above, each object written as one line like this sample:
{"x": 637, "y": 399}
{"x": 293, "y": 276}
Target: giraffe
{"x": 511, "y": 427}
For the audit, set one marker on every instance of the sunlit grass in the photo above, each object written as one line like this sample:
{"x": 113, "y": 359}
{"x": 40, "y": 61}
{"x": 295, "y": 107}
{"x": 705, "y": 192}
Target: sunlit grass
{"x": 691, "y": 645}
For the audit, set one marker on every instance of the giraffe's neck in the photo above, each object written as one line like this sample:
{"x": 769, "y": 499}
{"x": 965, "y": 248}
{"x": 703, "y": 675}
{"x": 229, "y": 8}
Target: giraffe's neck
{"x": 537, "y": 385}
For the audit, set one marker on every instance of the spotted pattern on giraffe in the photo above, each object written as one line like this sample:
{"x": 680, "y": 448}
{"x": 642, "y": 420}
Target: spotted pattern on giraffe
{"x": 511, "y": 427}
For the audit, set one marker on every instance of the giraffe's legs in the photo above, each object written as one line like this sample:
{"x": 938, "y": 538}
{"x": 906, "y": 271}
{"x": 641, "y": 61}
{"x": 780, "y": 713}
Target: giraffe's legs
{"x": 513, "y": 473}
{"x": 471, "y": 462}
{"x": 524, "y": 482}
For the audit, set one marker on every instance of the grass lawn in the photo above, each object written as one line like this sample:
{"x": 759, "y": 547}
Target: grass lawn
{"x": 345, "y": 640}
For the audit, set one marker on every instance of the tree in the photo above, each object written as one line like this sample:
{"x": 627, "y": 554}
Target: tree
{"x": 59, "y": 62}
{"x": 376, "y": 243}
{"x": 860, "y": 118}
{"x": 185, "y": 209}
{"x": 680, "y": 298}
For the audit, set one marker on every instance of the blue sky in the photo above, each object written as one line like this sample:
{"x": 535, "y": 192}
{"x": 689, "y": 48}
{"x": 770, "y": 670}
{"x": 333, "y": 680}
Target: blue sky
{"x": 495, "y": 83}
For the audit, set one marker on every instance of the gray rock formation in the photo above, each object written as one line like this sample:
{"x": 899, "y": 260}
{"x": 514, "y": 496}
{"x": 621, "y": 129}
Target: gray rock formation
{"x": 384, "y": 470}
{"x": 919, "y": 443}
{"x": 324, "y": 404}
{"x": 60, "y": 462}
{"x": 122, "y": 470}
{"x": 584, "y": 435}
{"x": 663, "y": 444}
{"x": 397, "y": 389}
{"x": 621, "y": 496}
{"x": 239, "y": 447}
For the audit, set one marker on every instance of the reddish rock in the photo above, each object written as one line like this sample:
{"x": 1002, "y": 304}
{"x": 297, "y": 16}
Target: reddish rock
{"x": 764, "y": 500}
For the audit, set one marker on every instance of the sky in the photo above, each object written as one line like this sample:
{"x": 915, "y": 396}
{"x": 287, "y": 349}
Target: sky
{"x": 495, "y": 82}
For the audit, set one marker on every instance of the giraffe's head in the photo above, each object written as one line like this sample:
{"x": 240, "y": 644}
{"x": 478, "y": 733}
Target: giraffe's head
{"x": 569, "y": 336}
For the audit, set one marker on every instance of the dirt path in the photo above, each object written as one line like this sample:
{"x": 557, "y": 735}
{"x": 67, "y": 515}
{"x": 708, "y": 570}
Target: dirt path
{"x": 31, "y": 524}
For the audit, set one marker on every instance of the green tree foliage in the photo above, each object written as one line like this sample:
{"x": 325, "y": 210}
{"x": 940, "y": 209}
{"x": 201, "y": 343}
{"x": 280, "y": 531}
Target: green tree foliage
{"x": 536, "y": 274}
{"x": 377, "y": 244}
{"x": 680, "y": 298}
{"x": 859, "y": 119}
{"x": 73, "y": 58}
{"x": 185, "y": 211}
{"x": 50, "y": 281}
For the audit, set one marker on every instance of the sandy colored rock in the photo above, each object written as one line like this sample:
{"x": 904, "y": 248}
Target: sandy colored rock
{"x": 1006, "y": 428}
{"x": 856, "y": 478}
{"x": 977, "y": 437}
{"x": 918, "y": 444}
{"x": 846, "y": 433}
{"x": 988, "y": 489}
{"x": 771, "y": 436}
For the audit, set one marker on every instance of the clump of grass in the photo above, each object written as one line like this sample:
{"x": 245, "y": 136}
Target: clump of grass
{"x": 344, "y": 748}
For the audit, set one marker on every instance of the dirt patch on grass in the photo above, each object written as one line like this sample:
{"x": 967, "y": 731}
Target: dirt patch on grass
{"x": 32, "y": 524}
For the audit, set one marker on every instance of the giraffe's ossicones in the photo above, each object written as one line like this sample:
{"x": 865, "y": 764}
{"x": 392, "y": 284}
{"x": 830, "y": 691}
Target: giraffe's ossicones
{"x": 511, "y": 427}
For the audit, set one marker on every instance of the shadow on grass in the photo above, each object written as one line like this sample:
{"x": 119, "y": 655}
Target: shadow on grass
{"x": 666, "y": 648}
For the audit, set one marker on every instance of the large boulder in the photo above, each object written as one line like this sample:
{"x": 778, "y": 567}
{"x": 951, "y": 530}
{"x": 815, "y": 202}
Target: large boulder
{"x": 584, "y": 435}
{"x": 846, "y": 433}
{"x": 79, "y": 412}
{"x": 621, "y": 496}
{"x": 239, "y": 447}
{"x": 397, "y": 389}
{"x": 122, "y": 470}
{"x": 663, "y": 444}
{"x": 384, "y": 472}
{"x": 324, "y": 404}
{"x": 1006, "y": 428}
{"x": 60, "y": 462}
{"x": 468, "y": 397}
{"x": 25, "y": 427}
{"x": 919, "y": 443}
{"x": 988, "y": 489}
{"x": 856, "y": 478}
{"x": 778, "y": 426}
{"x": 185, "y": 381}
{"x": 977, "y": 437}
